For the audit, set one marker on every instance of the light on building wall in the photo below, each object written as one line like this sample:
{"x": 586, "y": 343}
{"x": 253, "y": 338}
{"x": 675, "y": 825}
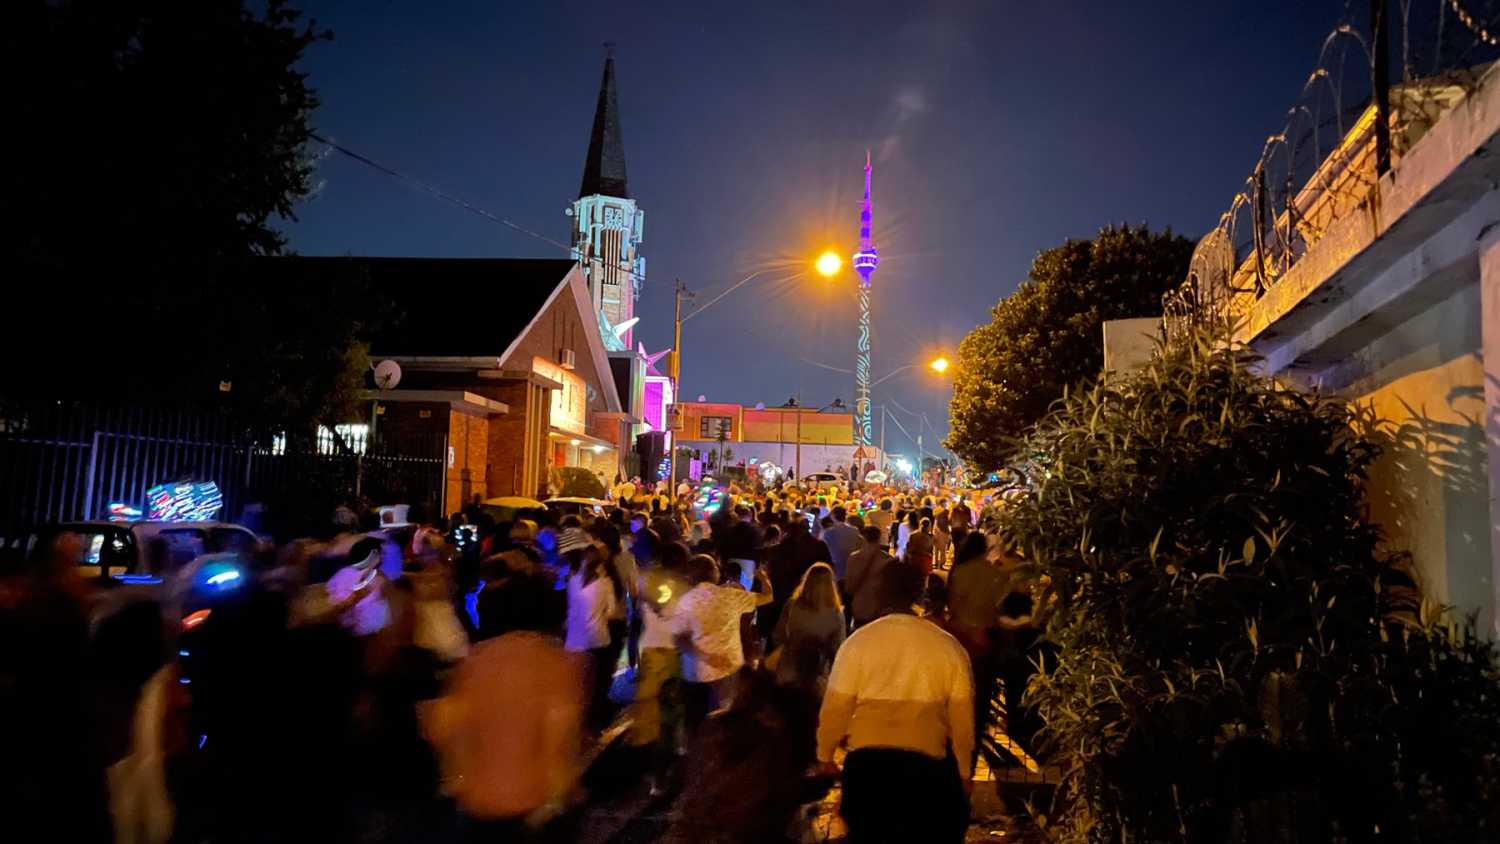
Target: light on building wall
{"x": 575, "y": 442}
{"x": 598, "y": 449}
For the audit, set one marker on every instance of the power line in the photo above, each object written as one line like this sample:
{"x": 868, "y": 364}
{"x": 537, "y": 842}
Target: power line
{"x": 445, "y": 196}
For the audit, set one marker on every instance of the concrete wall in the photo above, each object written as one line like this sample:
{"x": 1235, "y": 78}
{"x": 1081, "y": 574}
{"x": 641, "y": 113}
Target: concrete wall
{"x": 1420, "y": 386}
{"x": 1130, "y": 343}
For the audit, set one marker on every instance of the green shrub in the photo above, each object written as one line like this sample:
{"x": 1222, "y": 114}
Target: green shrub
{"x": 577, "y": 482}
{"x": 1235, "y": 660}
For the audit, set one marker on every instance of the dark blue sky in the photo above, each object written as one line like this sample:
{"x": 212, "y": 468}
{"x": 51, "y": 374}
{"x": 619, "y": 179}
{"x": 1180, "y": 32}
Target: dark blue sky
{"x": 999, "y": 129}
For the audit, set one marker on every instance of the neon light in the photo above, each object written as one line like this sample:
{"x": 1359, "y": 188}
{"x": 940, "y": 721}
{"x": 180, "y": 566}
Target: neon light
{"x": 195, "y": 619}
{"x": 865, "y": 262}
{"x": 119, "y": 512}
{"x": 138, "y": 579}
{"x": 183, "y": 502}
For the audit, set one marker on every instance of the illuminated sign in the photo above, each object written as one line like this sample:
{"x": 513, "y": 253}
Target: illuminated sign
{"x": 570, "y": 404}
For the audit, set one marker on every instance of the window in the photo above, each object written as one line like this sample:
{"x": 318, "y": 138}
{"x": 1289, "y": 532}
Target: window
{"x": 182, "y": 545}
{"x": 709, "y": 427}
{"x": 354, "y": 436}
{"x": 227, "y": 540}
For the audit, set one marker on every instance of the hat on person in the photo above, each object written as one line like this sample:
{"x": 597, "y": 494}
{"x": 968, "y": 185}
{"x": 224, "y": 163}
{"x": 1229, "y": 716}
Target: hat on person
{"x": 524, "y": 530}
{"x": 572, "y": 539}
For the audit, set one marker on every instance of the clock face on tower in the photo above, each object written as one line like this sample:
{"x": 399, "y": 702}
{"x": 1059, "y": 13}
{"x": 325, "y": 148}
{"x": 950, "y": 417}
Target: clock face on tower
{"x": 614, "y": 217}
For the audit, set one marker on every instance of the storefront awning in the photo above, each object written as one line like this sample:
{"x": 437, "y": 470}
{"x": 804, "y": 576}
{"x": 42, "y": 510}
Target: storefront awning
{"x": 581, "y": 439}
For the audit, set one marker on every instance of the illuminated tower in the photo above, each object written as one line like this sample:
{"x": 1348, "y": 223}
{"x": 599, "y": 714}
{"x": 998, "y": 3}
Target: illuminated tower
{"x": 607, "y": 225}
{"x": 865, "y": 262}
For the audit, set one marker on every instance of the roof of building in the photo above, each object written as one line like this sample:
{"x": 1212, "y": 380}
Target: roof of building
{"x": 456, "y": 307}
{"x": 604, "y": 168}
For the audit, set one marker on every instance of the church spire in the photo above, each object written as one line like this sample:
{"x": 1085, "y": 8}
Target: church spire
{"x": 604, "y": 169}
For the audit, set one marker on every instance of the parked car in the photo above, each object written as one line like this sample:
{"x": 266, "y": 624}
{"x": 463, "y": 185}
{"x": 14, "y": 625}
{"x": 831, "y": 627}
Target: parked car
{"x": 149, "y": 549}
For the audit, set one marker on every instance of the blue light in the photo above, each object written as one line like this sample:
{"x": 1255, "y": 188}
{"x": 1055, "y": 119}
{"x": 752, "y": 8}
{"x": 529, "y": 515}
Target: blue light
{"x": 220, "y": 573}
{"x": 183, "y": 653}
{"x": 138, "y": 579}
{"x": 184, "y": 681}
{"x": 223, "y": 577}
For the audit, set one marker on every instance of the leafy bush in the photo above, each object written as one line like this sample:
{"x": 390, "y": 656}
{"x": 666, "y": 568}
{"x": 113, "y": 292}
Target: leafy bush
{"x": 1237, "y": 659}
{"x": 577, "y": 482}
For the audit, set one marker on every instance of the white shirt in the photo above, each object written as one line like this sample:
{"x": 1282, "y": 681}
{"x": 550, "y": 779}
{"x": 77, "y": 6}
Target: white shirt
{"x": 589, "y": 609}
{"x": 710, "y": 615}
{"x": 900, "y": 682}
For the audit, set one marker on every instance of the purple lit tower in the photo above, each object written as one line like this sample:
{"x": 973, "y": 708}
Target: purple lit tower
{"x": 865, "y": 262}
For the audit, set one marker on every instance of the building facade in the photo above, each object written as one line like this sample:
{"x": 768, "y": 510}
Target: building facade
{"x": 1389, "y": 294}
{"x": 823, "y": 440}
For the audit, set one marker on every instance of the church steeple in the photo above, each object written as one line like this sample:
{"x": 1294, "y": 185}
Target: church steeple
{"x": 604, "y": 169}
{"x": 607, "y": 225}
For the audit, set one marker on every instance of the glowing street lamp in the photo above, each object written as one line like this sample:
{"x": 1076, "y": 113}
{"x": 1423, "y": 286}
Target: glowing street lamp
{"x": 829, "y": 264}
{"x": 939, "y": 365}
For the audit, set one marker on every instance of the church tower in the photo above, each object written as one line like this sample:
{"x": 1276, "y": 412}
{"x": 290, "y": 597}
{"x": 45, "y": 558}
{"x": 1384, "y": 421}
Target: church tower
{"x": 607, "y": 225}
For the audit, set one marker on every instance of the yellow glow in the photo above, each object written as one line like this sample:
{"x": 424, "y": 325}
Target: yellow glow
{"x": 829, "y": 263}
{"x": 940, "y": 365}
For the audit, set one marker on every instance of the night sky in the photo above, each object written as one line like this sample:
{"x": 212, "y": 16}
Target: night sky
{"x": 998, "y": 129}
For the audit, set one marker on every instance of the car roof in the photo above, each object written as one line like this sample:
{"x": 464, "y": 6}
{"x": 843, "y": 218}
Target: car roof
{"x": 158, "y": 525}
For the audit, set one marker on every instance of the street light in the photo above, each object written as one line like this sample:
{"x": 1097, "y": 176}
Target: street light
{"x": 829, "y": 264}
{"x": 939, "y": 365}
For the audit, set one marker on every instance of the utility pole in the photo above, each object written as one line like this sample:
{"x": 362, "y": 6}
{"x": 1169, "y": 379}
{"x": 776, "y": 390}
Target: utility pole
{"x": 883, "y": 461}
{"x": 676, "y": 372}
{"x": 798, "y": 470}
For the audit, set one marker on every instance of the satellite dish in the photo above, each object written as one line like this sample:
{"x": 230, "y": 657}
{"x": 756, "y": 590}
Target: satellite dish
{"x": 387, "y": 374}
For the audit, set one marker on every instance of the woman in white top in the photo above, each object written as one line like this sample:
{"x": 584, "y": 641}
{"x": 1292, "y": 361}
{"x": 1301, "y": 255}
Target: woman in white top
{"x": 591, "y": 602}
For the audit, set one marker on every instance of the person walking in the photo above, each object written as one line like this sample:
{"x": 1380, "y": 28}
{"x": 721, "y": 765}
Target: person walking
{"x": 657, "y": 716}
{"x": 976, "y": 588}
{"x": 706, "y": 624}
{"x": 901, "y": 698}
{"x": 809, "y": 633}
{"x": 509, "y": 730}
{"x": 866, "y": 570}
{"x": 841, "y": 540}
{"x": 920, "y": 546}
{"x": 942, "y": 536}
{"x": 882, "y": 518}
{"x": 591, "y": 604}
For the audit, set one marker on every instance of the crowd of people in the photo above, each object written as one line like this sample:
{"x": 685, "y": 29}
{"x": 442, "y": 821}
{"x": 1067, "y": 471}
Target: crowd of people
{"x": 453, "y": 679}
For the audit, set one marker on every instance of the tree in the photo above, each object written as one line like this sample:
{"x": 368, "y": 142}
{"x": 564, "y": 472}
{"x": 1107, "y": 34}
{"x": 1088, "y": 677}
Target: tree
{"x": 1237, "y": 658}
{"x": 1046, "y": 336}
{"x": 162, "y": 139}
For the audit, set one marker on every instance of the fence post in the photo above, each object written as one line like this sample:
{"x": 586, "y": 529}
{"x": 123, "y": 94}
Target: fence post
{"x": 1380, "y": 83}
{"x": 88, "y": 478}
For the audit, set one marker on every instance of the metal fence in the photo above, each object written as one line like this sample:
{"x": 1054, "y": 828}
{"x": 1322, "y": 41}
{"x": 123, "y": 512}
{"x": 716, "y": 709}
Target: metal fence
{"x": 62, "y": 461}
{"x": 1386, "y": 73}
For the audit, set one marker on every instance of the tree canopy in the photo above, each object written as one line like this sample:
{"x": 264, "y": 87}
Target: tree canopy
{"x": 158, "y": 142}
{"x": 1046, "y": 336}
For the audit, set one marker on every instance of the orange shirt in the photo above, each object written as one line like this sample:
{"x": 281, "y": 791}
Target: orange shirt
{"x": 509, "y": 731}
